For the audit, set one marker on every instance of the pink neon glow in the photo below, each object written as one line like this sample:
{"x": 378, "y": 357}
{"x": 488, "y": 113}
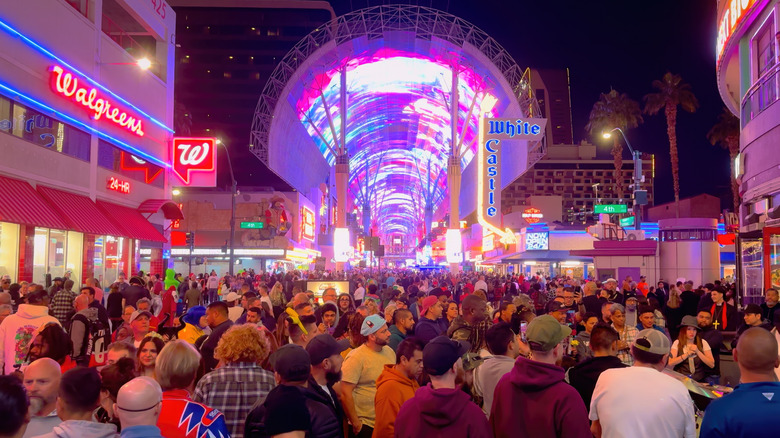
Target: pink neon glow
{"x": 67, "y": 85}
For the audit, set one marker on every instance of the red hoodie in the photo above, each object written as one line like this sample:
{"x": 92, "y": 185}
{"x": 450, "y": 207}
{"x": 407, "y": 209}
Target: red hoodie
{"x": 533, "y": 401}
{"x": 441, "y": 413}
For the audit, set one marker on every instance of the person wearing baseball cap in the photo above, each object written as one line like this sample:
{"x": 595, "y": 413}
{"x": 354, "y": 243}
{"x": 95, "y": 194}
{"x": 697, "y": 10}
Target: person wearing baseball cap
{"x": 431, "y": 323}
{"x": 535, "y": 400}
{"x": 441, "y": 408}
{"x": 139, "y": 323}
{"x": 284, "y": 409}
{"x": 667, "y": 408}
{"x": 361, "y": 368}
{"x": 752, "y": 318}
{"x": 326, "y": 361}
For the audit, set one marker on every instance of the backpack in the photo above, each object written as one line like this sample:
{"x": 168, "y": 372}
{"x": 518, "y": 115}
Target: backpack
{"x": 94, "y": 346}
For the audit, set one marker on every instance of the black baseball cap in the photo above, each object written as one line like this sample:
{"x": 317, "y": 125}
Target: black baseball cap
{"x": 441, "y": 354}
{"x": 324, "y": 346}
{"x": 292, "y": 362}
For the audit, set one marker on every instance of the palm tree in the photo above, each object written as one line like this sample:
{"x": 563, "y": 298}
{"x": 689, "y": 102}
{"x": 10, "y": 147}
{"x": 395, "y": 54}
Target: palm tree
{"x": 614, "y": 110}
{"x": 672, "y": 92}
{"x": 726, "y": 134}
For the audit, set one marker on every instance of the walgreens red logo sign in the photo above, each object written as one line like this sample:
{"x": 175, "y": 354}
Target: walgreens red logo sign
{"x": 195, "y": 161}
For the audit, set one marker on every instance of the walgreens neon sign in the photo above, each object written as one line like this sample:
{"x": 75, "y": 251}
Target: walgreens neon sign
{"x": 66, "y": 84}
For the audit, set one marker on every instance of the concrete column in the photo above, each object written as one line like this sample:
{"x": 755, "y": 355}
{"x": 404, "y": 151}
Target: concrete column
{"x": 342, "y": 175}
{"x": 453, "y": 180}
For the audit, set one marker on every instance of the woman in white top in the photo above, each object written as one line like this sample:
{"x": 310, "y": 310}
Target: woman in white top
{"x": 690, "y": 353}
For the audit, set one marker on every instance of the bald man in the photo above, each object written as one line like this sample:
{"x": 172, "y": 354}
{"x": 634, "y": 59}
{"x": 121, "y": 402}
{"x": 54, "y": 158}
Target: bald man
{"x": 750, "y": 410}
{"x": 138, "y": 405}
{"x": 42, "y": 382}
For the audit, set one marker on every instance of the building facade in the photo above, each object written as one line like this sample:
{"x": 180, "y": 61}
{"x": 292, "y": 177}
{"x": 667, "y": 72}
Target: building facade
{"x": 747, "y": 74}
{"x": 575, "y": 173}
{"x": 84, "y": 136}
{"x": 227, "y": 51}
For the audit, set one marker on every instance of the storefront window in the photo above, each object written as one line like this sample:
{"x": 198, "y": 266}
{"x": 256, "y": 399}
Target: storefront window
{"x": 9, "y": 249}
{"x": 110, "y": 258}
{"x": 75, "y": 255}
{"x": 55, "y": 252}
{"x": 753, "y": 270}
{"x": 57, "y": 241}
{"x": 40, "y": 129}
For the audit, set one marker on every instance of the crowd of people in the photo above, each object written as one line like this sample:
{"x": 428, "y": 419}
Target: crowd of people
{"x": 401, "y": 354}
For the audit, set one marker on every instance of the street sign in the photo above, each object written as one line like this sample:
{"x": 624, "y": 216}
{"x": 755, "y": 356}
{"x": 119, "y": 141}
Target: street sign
{"x": 252, "y": 225}
{"x": 610, "y": 208}
{"x": 627, "y": 221}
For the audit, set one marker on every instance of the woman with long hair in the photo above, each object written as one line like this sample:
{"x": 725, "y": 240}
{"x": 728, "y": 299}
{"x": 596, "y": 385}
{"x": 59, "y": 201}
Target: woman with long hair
{"x": 277, "y": 295}
{"x": 451, "y": 312}
{"x": 673, "y": 311}
{"x": 148, "y": 350}
{"x": 690, "y": 353}
{"x": 113, "y": 377}
{"x": 346, "y": 303}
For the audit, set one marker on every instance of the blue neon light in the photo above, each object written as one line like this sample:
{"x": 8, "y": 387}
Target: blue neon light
{"x": 43, "y": 50}
{"x": 83, "y": 125}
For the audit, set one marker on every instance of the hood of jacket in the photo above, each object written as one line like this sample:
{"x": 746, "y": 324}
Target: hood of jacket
{"x": 84, "y": 429}
{"x": 395, "y": 331}
{"x": 457, "y": 324}
{"x": 441, "y": 407}
{"x": 392, "y": 376}
{"x": 30, "y": 311}
{"x": 90, "y": 313}
{"x": 531, "y": 375}
{"x": 425, "y": 321}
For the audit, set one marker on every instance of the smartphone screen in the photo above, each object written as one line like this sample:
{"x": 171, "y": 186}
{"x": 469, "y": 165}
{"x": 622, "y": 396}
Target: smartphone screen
{"x": 523, "y": 327}
{"x": 570, "y": 317}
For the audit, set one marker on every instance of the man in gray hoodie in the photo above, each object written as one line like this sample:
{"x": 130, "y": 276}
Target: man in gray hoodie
{"x": 78, "y": 398}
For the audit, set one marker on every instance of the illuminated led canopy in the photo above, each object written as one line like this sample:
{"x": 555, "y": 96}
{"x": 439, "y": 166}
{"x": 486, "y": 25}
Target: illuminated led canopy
{"x": 399, "y": 61}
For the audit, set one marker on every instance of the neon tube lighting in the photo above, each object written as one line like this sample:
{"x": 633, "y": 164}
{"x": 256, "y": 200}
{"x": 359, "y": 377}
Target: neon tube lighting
{"x": 83, "y": 125}
{"x": 46, "y": 52}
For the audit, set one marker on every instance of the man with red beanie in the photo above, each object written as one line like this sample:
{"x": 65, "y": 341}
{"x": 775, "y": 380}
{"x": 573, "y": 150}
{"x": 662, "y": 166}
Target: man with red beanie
{"x": 430, "y": 324}
{"x": 533, "y": 400}
{"x": 441, "y": 408}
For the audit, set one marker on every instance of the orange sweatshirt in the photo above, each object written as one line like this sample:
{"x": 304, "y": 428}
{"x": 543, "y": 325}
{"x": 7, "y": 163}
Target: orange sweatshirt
{"x": 392, "y": 390}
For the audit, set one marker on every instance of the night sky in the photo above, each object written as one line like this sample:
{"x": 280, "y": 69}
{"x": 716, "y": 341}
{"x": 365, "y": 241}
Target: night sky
{"x": 623, "y": 45}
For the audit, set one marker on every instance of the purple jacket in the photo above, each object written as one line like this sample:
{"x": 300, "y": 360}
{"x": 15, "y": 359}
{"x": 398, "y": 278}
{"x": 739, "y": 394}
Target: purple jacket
{"x": 533, "y": 401}
{"x": 441, "y": 413}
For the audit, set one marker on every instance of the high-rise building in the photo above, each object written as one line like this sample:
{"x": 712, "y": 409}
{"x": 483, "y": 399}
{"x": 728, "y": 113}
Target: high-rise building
{"x": 551, "y": 88}
{"x": 575, "y": 173}
{"x": 227, "y": 49}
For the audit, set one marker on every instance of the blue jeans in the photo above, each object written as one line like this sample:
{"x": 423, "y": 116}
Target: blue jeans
{"x": 213, "y": 297}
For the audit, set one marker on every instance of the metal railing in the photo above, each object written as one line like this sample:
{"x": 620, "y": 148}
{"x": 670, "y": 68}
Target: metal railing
{"x": 80, "y": 5}
{"x": 127, "y": 42}
{"x": 761, "y": 95}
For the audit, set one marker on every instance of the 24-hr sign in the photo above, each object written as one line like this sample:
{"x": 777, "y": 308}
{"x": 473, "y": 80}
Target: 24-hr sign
{"x": 195, "y": 161}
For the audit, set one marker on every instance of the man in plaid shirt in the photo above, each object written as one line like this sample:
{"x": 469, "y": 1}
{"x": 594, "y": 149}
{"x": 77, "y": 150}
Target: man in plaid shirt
{"x": 628, "y": 334}
{"x": 235, "y": 387}
{"x": 62, "y": 303}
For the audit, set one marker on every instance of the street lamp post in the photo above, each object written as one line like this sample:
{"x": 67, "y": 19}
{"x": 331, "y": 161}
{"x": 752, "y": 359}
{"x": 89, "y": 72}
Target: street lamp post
{"x": 637, "y": 157}
{"x": 232, "y": 208}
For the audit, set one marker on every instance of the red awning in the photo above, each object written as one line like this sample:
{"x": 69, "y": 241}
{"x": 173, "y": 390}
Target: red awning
{"x": 21, "y": 204}
{"x": 169, "y": 208}
{"x": 80, "y": 212}
{"x": 131, "y": 221}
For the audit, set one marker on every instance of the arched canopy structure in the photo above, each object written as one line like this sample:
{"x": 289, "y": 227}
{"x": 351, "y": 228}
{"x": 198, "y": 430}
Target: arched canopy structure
{"x": 399, "y": 62}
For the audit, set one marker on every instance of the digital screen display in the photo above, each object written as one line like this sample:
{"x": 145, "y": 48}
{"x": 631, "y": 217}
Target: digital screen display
{"x": 537, "y": 241}
{"x": 398, "y": 120}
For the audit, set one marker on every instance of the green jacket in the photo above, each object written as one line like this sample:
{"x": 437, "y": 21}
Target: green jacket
{"x": 395, "y": 337}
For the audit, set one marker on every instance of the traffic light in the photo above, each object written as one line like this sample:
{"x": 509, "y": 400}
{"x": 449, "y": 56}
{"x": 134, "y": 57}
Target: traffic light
{"x": 190, "y": 239}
